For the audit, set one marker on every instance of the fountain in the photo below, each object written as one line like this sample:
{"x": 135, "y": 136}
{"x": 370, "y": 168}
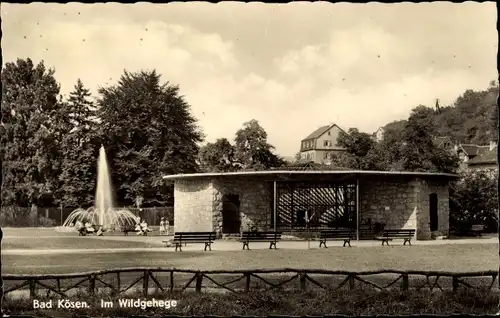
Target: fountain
{"x": 103, "y": 213}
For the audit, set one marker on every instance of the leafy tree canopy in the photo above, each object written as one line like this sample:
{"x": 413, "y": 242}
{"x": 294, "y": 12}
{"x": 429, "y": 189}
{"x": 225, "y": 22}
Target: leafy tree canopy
{"x": 29, "y": 131}
{"x": 148, "y": 132}
{"x": 252, "y": 150}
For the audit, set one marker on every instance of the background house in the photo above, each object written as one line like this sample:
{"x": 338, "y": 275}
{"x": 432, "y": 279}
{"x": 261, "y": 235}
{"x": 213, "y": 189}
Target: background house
{"x": 378, "y": 136}
{"x": 478, "y": 157}
{"x": 318, "y": 146}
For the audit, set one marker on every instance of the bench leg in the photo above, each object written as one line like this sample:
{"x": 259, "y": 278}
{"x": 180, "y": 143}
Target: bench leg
{"x": 208, "y": 245}
{"x": 407, "y": 240}
{"x": 272, "y": 244}
{"x": 178, "y": 245}
{"x": 322, "y": 243}
{"x": 386, "y": 242}
{"x": 347, "y": 242}
{"x": 245, "y": 244}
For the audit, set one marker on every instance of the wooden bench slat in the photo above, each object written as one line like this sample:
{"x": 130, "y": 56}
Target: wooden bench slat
{"x": 391, "y": 234}
{"x": 193, "y": 237}
{"x": 336, "y": 235}
{"x": 250, "y": 236}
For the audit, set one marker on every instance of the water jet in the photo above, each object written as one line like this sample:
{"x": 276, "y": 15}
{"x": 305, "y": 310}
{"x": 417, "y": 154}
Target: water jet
{"x": 103, "y": 213}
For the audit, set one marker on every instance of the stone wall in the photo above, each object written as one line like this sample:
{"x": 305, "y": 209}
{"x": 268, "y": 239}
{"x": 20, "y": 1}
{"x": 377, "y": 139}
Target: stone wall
{"x": 193, "y": 205}
{"x": 399, "y": 203}
{"x": 403, "y": 203}
{"x": 442, "y": 191}
{"x": 388, "y": 201}
{"x": 255, "y": 201}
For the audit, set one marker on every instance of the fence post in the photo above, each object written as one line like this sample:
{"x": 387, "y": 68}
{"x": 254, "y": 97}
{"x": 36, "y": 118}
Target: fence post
{"x": 145, "y": 283}
{"x": 91, "y": 285}
{"x": 247, "y": 282}
{"x": 154, "y": 215}
{"x": 171, "y": 281}
{"x": 199, "y": 280}
{"x": 32, "y": 289}
{"x": 455, "y": 283}
{"x": 351, "y": 282}
{"x": 405, "y": 282}
{"x": 303, "y": 285}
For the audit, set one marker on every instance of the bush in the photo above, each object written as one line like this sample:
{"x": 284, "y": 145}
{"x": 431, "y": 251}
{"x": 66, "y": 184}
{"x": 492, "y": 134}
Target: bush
{"x": 474, "y": 200}
{"x": 18, "y": 216}
{"x": 46, "y": 222}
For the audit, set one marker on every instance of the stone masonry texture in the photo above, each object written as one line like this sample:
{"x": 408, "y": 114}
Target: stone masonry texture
{"x": 398, "y": 202}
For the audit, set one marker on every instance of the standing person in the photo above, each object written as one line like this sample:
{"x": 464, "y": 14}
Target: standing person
{"x": 163, "y": 229}
{"x": 167, "y": 227}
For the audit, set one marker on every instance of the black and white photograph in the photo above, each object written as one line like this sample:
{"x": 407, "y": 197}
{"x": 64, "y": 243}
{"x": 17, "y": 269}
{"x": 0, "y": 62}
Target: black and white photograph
{"x": 249, "y": 159}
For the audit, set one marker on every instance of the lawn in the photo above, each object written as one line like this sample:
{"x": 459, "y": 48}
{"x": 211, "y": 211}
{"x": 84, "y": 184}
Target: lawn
{"x": 447, "y": 257}
{"x": 71, "y": 242}
{"x": 459, "y": 257}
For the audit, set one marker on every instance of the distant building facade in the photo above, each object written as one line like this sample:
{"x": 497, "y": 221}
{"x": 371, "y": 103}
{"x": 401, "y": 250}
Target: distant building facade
{"x": 320, "y": 144}
{"x": 475, "y": 157}
{"x": 378, "y": 136}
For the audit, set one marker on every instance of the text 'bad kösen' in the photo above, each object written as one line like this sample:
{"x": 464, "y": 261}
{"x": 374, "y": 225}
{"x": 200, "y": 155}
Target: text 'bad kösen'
{"x": 122, "y": 303}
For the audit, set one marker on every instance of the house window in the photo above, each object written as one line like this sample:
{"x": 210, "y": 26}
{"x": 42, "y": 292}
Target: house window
{"x": 325, "y": 155}
{"x": 326, "y": 143}
{"x": 329, "y": 133}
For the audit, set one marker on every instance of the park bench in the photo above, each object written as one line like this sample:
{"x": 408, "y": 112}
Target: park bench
{"x": 336, "y": 235}
{"x": 192, "y": 237}
{"x": 83, "y": 230}
{"x": 132, "y": 228}
{"x": 477, "y": 229}
{"x": 252, "y": 236}
{"x": 128, "y": 228}
{"x": 389, "y": 235}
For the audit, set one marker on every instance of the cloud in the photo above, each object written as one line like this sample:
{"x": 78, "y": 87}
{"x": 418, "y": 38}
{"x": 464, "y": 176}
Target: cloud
{"x": 99, "y": 51}
{"x": 292, "y": 69}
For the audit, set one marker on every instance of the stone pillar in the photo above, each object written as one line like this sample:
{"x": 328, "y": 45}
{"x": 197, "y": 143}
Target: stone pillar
{"x": 217, "y": 212}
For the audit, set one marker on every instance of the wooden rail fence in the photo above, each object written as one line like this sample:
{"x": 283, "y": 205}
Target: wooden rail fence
{"x": 125, "y": 279}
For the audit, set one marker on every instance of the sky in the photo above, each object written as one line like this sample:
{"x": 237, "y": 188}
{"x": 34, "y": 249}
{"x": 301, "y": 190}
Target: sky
{"x": 293, "y": 67}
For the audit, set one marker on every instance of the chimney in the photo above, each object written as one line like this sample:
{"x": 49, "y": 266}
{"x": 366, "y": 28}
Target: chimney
{"x": 493, "y": 144}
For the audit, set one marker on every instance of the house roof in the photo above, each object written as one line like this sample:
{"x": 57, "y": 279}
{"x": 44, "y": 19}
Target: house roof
{"x": 321, "y": 130}
{"x": 440, "y": 140}
{"x": 484, "y": 156}
{"x": 469, "y": 149}
{"x": 318, "y": 132}
{"x": 277, "y": 173}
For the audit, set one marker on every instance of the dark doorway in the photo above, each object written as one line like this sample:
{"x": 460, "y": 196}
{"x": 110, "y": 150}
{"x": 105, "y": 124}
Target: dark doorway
{"x": 231, "y": 221}
{"x": 433, "y": 211}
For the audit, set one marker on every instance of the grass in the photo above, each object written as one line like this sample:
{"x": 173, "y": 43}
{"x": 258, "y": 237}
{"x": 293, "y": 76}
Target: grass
{"x": 353, "y": 303}
{"x": 448, "y": 257}
{"x": 458, "y": 258}
{"x": 33, "y": 243}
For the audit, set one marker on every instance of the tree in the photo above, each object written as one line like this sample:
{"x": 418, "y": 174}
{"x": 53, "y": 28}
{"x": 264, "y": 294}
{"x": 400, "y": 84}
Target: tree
{"x": 148, "y": 132}
{"x": 472, "y": 118}
{"x": 357, "y": 145}
{"x": 218, "y": 157}
{"x": 419, "y": 151}
{"x": 252, "y": 150}
{"x": 29, "y": 147}
{"x": 474, "y": 199}
{"x": 79, "y": 148}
